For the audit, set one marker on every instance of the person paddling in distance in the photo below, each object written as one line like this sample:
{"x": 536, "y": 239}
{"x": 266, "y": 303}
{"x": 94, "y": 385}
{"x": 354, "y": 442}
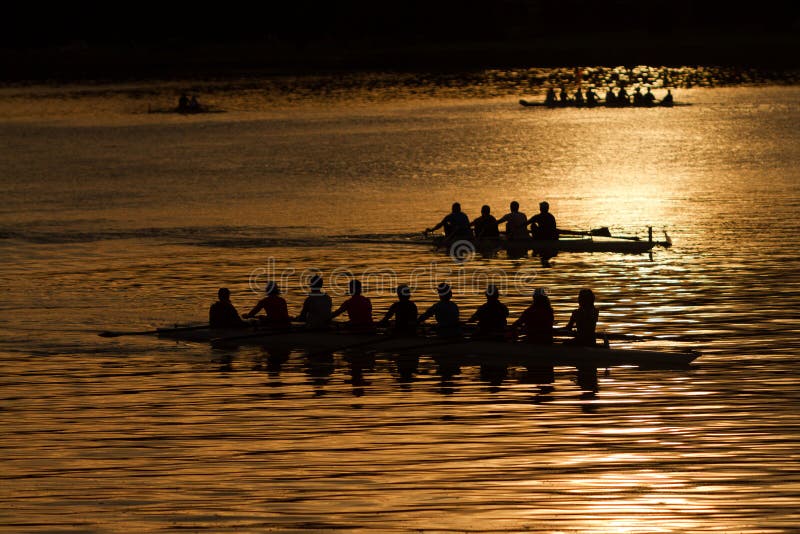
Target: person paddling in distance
{"x": 358, "y": 308}
{"x": 550, "y": 97}
{"x": 491, "y": 316}
{"x": 316, "y": 312}
{"x": 446, "y": 313}
{"x": 223, "y": 314}
{"x": 649, "y": 98}
{"x": 543, "y": 224}
{"x": 537, "y": 319}
{"x": 276, "y": 313}
{"x": 404, "y": 312}
{"x": 591, "y": 98}
{"x": 584, "y": 320}
{"x": 456, "y": 225}
{"x": 516, "y": 223}
{"x": 668, "y": 100}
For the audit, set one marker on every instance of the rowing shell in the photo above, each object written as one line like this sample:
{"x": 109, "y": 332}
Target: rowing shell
{"x": 544, "y": 247}
{"x": 487, "y": 350}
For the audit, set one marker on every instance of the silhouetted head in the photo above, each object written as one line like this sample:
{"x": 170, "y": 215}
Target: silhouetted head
{"x": 403, "y": 292}
{"x": 315, "y": 282}
{"x": 540, "y": 297}
{"x": 354, "y": 287}
{"x": 456, "y": 207}
{"x": 492, "y": 292}
{"x": 445, "y": 291}
{"x": 224, "y": 294}
{"x": 514, "y": 206}
{"x": 272, "y": 288}
{"x": 485, "y": 210}
{"x": 586, "y": 298}
{"x": 544, "y": 207}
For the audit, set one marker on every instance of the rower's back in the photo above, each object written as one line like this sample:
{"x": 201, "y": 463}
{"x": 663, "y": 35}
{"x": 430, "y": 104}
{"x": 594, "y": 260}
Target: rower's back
{"x": 492, "y": 318}
{"x": 543, "y": 224}
{"x": 516, "y": 223}
{"x": 446, "y": 312}
{"x": 584, "y": 319}
{"x": 223, "y": 314}
{"x": 318, "y": 307}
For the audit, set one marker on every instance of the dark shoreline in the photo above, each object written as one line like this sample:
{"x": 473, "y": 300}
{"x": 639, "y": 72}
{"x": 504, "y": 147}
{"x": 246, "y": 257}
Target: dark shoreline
{"x": 772, "y": 54}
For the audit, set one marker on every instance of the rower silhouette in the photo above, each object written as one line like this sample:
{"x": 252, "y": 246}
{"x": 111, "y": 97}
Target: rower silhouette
{"x": 358, "y": 308}
{"x": 492, "y": 316}
{"x": 649, "y": 98}
{"x": 486, "y": 226}
{"x": 537, "y": 319}
{"x": 276, "y": 313}
{"x": 223, "y": 314}
{"x": 405, "y": 313}
{"x": 550, "y": 98}
{"x": 446, "y": 313}
{"x": 516, "y": 231}
{"x": 591, "y": 98}
{"x": 316, "y": 312}
{"x": 611, "y": 98}
{"x": 584, "y": 320}
{"x": 667, "y": 100}
{"x": 543, "y": 224}
{"x": 456, "y": 225}
{"x": 516, "y": 222}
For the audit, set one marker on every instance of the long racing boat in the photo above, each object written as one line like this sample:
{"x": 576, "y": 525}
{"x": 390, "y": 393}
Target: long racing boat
{"x": 484, "y": 350}
{"x": 550, "y": 247}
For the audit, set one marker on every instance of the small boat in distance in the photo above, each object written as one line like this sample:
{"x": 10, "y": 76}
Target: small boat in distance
{"x": 601, "y": 104}
{"x": 619, "y": 100}
{"x": 186, "y": 106}
{"x": 180, "y": 111}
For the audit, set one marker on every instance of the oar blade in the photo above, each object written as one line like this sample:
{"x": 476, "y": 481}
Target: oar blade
{"x": 601, "y": 232}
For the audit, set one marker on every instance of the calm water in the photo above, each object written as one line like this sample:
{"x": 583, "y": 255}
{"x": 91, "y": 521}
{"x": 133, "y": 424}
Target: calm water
{"x": 118, "y": 219}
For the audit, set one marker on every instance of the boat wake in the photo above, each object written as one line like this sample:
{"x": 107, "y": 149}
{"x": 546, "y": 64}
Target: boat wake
{"x": 207, "y": 236}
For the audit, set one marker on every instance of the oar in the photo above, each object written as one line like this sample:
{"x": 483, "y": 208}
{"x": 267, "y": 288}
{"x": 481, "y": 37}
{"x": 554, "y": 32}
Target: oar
{"x": 605, "y": 232}
{"x": 563, "y": 332}
{"x": 600, "y": 232}
{"x": 109, "y": 333}
{"x": 666, "y": 244}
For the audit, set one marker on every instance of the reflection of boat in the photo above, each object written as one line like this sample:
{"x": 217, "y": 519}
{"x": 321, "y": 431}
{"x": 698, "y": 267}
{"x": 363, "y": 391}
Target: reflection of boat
{"x": 600, "y": 104}
{"x": 482, "y": 350}
{"x": 591, "y": 243}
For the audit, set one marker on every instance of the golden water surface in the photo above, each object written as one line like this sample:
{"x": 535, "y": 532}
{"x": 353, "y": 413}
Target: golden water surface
{"x": 116, "y": 219}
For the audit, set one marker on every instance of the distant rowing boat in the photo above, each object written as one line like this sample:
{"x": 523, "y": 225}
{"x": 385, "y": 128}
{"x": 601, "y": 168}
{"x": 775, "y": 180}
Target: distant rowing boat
{"x": 476, "y": 349}
{"x": 185, "y": 111}
{"x": 599, "y": 104}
